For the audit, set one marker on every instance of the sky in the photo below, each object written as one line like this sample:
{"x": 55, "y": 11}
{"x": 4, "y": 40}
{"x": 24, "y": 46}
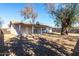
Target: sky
{"x": 12, "y": 11}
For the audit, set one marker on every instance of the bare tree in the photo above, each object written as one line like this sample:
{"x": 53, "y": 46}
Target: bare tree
{"x": 29, "y": 12}
{"x": 34, "y": 15}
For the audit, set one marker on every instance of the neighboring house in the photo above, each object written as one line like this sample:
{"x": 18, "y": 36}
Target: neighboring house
{"x": 25, "y": 28}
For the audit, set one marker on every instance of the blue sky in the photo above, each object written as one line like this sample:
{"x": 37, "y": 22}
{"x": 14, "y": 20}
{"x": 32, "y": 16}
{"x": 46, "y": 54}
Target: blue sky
{"x": 11, "y": 11}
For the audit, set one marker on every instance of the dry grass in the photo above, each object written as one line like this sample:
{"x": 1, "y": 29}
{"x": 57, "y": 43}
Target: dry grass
{"x": 68, "y": 42}
{"x": 8, "y": 36}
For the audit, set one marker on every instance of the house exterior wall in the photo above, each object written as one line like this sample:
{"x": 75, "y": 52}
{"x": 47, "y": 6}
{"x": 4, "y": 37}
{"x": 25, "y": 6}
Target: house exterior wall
{"x": 30, "y": 30}
{"x": 25, "y": 30}
{"x": 14, "y": 30}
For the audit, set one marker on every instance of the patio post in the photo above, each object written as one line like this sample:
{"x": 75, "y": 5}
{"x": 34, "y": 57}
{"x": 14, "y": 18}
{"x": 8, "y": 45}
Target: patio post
{"x": 41, "y": 30}
{"x": 32, "y": 29}
{"x": 19, "y": 29}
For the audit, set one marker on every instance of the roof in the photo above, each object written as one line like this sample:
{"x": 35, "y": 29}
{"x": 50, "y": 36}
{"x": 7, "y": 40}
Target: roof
{"x": 27, "y": 24}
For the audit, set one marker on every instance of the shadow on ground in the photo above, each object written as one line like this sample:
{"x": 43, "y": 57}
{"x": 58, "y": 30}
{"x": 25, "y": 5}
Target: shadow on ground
{"x": 76, "y": 49}
{"x": 25, "y": 47}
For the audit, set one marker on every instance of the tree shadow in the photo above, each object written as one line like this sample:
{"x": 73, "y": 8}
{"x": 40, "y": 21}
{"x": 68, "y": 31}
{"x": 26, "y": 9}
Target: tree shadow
{"x": 16, "y": 46}
{"x": 24, "y": 47}
{"x": 61, "y": 49}
{"x": 76, "y": 49}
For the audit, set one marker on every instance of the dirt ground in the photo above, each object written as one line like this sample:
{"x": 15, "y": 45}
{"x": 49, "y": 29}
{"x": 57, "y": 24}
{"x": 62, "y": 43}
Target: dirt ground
{"x": 67, "y": 41}
{"x": 8, "y": 36}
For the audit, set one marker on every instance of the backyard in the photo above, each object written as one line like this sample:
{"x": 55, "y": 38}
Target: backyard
{"x": 47, "y": 29}
{"x": 47, "y": 44}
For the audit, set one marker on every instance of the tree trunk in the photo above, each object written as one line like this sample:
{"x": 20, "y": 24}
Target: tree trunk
{"x": 64, "y": 29}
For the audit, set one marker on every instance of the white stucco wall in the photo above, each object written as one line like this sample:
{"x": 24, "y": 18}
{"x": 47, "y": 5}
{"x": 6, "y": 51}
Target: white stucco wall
{"x": 13, "y": 31}
{"x": 28, "y": 30}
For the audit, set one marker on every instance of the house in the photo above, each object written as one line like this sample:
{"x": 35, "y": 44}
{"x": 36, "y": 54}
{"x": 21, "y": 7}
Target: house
{"x": 17, "y": 28}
